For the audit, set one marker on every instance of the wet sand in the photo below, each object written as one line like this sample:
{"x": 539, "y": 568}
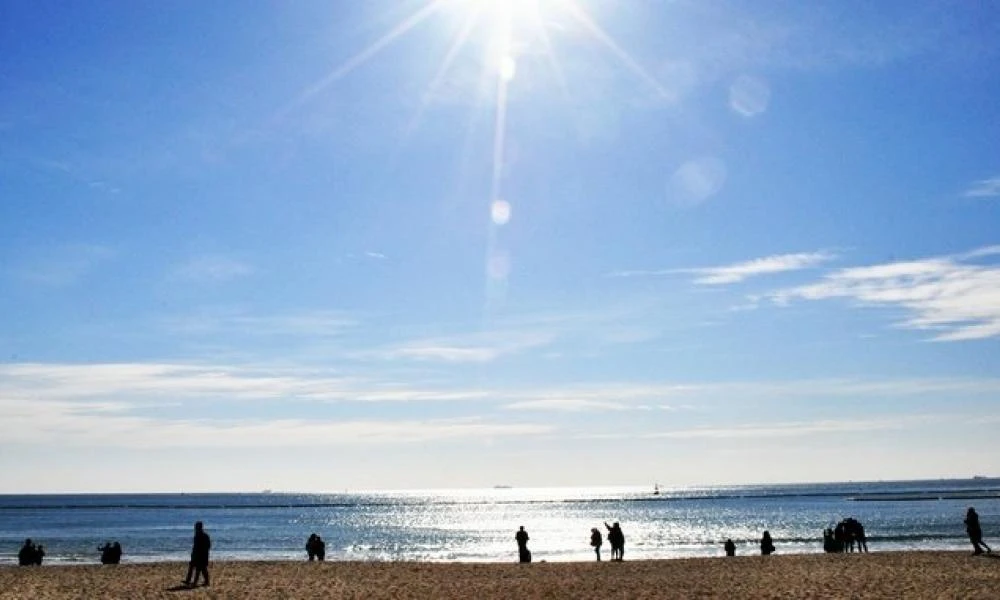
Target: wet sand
{"x": 876, "y": 575}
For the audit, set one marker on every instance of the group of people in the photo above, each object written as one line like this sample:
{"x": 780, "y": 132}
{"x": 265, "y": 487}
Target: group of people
{"x": 111, "y": 553}
{"x": 766, "y": 545}
{"x": 845, "y": 536}
{"x": 30, "y": 554}
{"x": 842, "y": 538}
{"x": 616, "y": 539}
{"x": 315, "y": 548}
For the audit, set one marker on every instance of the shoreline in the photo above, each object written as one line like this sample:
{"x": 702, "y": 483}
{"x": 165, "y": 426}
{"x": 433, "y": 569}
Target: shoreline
{"x": 892, "y": 574}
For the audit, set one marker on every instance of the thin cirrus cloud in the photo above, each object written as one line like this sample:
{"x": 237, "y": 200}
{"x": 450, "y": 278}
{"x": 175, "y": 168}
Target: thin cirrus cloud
{"x": 67, "y": 424}
{"x": 64, "y": 265}
{"x": 741, "y": 271}
{"x": 476, "y": 348}
{"x": 144, "y": 383}
{"x": 951, "y": 295}
{"x": 985, "y": 188}
{"x": 213, "y": 268}
{"x": 314, "y": 323}
{"x": 798, "y": 429}
{"x": 570, "y": 405}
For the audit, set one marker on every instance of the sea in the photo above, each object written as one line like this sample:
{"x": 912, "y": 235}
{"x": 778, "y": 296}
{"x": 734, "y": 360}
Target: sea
{"x": 478, "y": 525}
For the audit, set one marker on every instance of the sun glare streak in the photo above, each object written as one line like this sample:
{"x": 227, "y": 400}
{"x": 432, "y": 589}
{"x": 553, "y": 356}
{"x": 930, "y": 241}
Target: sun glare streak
{"x": 432, "y": 87}
{"x": 584, "y": 19}
{"x": 365, "y": 55}
{"x": 550, "y": 55}
{"x": 497, "y": 263}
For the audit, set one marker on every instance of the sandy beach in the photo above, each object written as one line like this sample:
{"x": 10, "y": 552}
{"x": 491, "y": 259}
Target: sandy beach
{"x": 876, "y": 575}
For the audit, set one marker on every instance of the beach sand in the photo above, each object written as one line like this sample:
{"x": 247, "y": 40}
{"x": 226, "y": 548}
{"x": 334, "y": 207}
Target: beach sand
{"x": 876, "y": 575}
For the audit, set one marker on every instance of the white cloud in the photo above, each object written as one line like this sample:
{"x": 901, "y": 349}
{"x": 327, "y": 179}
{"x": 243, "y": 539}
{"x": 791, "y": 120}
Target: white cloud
{"x": 568, "y": 405}
{"x": 778, "y": 263}
{"x": 796, "y": 429}
{"x": 737, "y": 272}
{"x": 986, "y": 188}
{"x": 480, "y": 347}
{"x": 212, "y": 268}
{"x": 69, "y": 425}
{"x": 144, "y": 382}
{"x": 946, "y": 294}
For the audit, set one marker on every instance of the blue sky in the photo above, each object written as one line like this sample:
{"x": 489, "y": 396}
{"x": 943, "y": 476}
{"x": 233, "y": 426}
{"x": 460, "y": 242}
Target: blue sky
{"x": 409, "y": 244}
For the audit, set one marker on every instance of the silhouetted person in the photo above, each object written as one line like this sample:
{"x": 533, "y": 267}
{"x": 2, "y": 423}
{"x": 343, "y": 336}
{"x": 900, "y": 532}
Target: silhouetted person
{"x": 975, "y": 531}
{"x": 26, "y": 556}
{"x": 856, "y": 534}
{"x": 39, "y": 554}
{"x": 841, "y": 537}
{"x": 730, "y": 548}
{"x": 616, "y": 538}
{"x": 829, "y": 543}
{"x": 521, "y": 537}
{"x": 320, "y": 547}
{"x": 311, "y": 547}
{"x": 766, "y": 544}
{"x": 596, "y": 539}
{"x": 851, "y": 532}
{"x": 200, "y": 547}
{"x": 111, "y": 554}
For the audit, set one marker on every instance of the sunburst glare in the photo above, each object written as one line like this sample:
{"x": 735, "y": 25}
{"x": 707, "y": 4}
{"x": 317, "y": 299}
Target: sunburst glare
{"x": 502, "y": 30}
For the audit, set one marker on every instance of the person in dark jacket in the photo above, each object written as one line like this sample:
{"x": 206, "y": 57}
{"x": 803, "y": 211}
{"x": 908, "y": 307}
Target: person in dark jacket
{"x": 975, "y": 531}
{"x": 521, "y": 537}
{"x": 200, "y": 548}
{"x": 596, "y": 539}
{"x": 730, "y": 548}
{"x": 616, "y": 538}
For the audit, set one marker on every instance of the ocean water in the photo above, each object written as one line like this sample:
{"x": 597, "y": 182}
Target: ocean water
{"x": 479, "y": 525}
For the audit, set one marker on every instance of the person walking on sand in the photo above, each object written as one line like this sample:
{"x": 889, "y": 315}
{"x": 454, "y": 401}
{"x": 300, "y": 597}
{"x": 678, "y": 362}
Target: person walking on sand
{"x": 199, "y": 556}
{"x": 975, "y": 531}
{"x": 596, "y": 539}
{"x": 766, "y": 544}
{"x": 521, "y": 537}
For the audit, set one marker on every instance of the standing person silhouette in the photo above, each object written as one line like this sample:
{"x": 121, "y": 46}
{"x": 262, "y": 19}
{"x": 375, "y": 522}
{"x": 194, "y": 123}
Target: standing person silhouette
{"x": 975, "y": 531}
{"x": 521, "y": 537}
{"x": 596, "y": 539}
{"x": 766, "y": 544}
{"x": 616, "y": 537}
{"x": 199, "y": 556}
{"x": 730, "y": 547}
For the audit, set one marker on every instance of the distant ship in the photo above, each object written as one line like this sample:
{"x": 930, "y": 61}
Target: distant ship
{"x": 501, "y": 487}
